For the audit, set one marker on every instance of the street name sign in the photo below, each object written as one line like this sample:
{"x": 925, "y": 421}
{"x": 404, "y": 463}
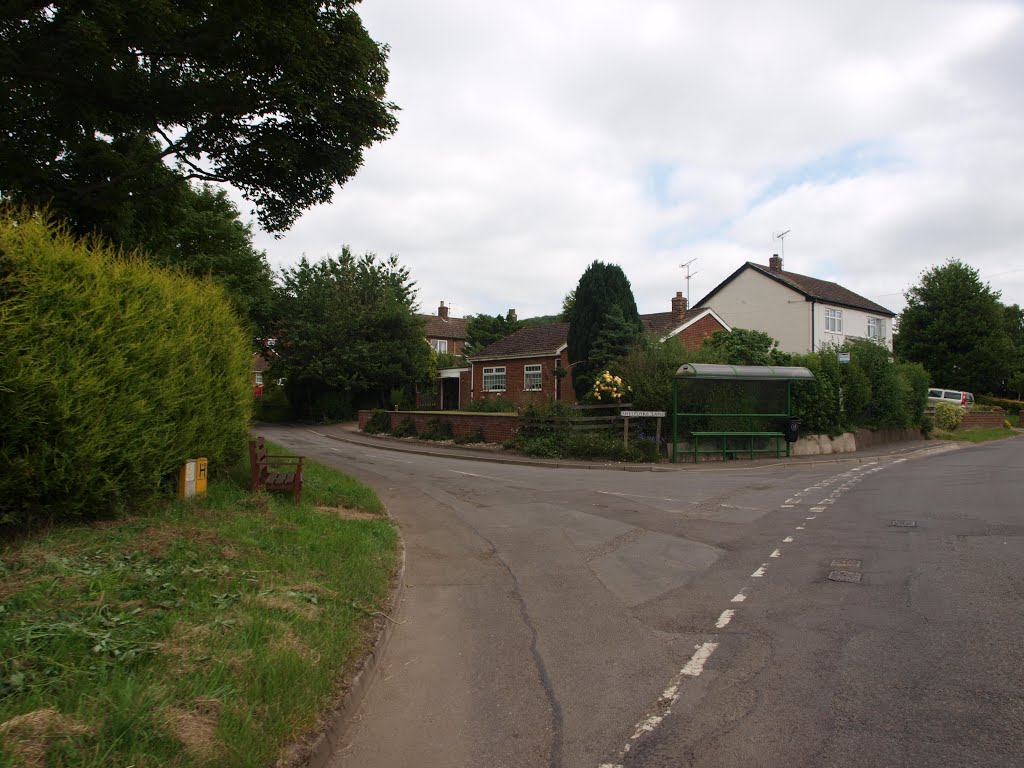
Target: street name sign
{"x": 642, "y": 414}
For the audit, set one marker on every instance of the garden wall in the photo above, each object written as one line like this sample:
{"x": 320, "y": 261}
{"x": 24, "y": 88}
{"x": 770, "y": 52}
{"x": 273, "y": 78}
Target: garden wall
{"x": 497, "y": 427}
{"x": 976, "y": 419}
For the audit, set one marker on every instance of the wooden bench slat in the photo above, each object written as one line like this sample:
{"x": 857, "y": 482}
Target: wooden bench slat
{"x": 263, "y": 478}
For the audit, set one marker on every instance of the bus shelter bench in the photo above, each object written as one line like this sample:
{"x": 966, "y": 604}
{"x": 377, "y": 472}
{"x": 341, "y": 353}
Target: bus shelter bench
{"x": 725, "y": 450}
{"x": 263, "y": 478}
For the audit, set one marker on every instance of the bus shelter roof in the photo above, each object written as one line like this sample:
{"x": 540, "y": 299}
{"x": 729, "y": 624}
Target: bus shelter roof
{"x": 705, "y": 371}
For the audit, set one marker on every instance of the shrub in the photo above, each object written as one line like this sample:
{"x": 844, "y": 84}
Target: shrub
{"x": 1010, "y": 406}
{"x": 948, "y": 416}
{"x": 405, "y": 428}
{"x": 437, "y": 429}
{"x": 113, "y": 372}
{"x": 927, "y": 424}
{"x": 491, "y": 405}
{"x": 379, "y": 421}
{"x": 1007, "y": 424}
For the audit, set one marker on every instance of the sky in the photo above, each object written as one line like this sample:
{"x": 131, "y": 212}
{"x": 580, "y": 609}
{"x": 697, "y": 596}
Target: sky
{"x": 537, "y": 136}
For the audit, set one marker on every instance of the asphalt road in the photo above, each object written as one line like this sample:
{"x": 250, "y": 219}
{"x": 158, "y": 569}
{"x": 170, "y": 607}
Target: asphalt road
{"x": 606, "y": 618}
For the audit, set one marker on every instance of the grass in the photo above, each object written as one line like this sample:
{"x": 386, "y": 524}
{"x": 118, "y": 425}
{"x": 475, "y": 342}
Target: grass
{"x": 193, "y": 633}
{"x": 979, "y": 435}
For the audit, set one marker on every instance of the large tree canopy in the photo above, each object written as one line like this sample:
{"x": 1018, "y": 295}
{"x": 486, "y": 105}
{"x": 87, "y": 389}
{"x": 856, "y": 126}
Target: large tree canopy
{"x": 278, "y": 99}
{"x": 484, "y": 330}
{"x": 602, "y": 288}
{"x": 955, "y": 326}
{"x": 347, "y": 330}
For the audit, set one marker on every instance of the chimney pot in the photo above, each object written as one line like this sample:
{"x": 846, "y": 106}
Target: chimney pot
{"x": 442, "y": 311}
{"x": 775, "y": 263}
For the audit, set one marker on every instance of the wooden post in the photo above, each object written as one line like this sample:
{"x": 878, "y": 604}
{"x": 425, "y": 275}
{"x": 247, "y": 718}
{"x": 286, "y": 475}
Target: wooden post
{"x": 625, "y": 431}
{"x": 657, "y": 435}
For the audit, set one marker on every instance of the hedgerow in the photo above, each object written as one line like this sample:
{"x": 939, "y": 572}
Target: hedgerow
{"x": 112, "y": 373}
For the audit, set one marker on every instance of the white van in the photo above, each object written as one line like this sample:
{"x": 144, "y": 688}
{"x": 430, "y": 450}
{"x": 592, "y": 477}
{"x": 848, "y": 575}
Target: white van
{"x": 951, "y": 396}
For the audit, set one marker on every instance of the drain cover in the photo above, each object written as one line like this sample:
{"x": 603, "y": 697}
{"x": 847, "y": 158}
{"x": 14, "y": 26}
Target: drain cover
{"x": 849, "y": 576}
{"x": 903, "y": 524}
{"x": 846, "y": 563}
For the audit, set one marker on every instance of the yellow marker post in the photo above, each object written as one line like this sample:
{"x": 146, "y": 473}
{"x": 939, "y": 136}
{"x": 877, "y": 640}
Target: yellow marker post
{"x": 201, "y": 474}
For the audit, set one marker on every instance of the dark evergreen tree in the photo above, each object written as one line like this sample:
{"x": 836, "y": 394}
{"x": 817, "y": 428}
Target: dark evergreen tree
{"x": 955, "y": 326}
{"x": 483, "y": 330}
{"x": 601, "y": 288}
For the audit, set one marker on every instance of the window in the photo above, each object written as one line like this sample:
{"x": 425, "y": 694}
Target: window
{"x": 439, "y": 345}
{"x": 876, "y": 329}
{"x": 259, "y": 378}
{"x": 494, "y": 379}
{"x": 833, "y": 321}
{"x": 531, "y": 378}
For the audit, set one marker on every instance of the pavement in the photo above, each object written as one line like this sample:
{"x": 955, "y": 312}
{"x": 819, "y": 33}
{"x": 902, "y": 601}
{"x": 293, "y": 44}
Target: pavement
{"x": 349, "y": 432}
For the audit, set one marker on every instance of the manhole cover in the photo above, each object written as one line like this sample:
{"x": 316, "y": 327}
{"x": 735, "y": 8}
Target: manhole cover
{"x": 903, "y": 524}
{"x": 846, "y": 563}
{"x": 849, "y": 576}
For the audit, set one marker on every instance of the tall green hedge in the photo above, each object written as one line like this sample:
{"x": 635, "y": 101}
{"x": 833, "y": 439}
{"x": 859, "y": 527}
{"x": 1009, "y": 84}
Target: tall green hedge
{"x": 112, "y": 373}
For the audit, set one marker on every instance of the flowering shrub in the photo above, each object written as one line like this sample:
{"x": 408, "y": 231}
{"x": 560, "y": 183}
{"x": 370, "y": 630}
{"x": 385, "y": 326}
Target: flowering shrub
{"x": 948, "y": 416}
{"x": 608, "y": 388}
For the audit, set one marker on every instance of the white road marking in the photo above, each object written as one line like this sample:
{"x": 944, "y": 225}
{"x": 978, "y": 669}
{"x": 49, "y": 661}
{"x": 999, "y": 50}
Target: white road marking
{"x": 812, "y": 517}
{"x": 633, "y": 495}
{"x": 787, "y": 540}
{"x": 786, "y": 506}
{"x": 817, "y": 509}
{"x": 474, "y": 474}
{"x": 735, "y": 506}
{"x": 800, "y": 527}
{"x": 776, "y": 553}
{"x": 793, "y": 501}
{"x": 740, "y": 596}
{"x": 725, "y": 618}
{"x": 759, "y": 572}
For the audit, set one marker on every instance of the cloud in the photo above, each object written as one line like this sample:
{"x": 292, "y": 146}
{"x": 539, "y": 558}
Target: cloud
{"x": 536, "y": 137}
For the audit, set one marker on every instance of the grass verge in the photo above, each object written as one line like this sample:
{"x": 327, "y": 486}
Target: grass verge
{"x": 194, "y": 633}
{"x": 980, "y": 435}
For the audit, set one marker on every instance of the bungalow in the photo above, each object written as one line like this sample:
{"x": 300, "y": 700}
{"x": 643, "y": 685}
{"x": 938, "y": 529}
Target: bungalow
{"x": 802, "y": 312}
{"x": 532, "y": 365}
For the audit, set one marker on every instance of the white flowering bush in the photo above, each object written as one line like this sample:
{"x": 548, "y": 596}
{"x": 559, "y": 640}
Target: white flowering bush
{"x": 609, "y": 388}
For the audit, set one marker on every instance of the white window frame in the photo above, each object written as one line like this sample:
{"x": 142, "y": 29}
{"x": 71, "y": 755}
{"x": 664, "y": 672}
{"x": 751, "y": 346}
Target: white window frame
{"x": 833, "y": 321}
{"x": 258, "y": 380}
{"x": 876, "y": 328}
{"x": 492, "y": 377}
{"x": 533, "y": 378}
{"x": 439, "y": 345}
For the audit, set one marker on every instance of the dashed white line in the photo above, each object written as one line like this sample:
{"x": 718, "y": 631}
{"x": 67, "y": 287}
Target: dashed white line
{"x": 776, "y": 553}
{"x": 725, "y": 618}
{"x": 759, "y": 572}
{"x": 787, "y": 540}
{"x": 740, "y": 596}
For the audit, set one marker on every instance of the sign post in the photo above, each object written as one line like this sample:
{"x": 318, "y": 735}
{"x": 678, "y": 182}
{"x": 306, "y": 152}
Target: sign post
{"x": 626, "y": 415}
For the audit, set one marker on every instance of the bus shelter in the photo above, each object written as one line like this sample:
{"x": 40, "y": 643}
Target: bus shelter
{"x": 730, "y": 410}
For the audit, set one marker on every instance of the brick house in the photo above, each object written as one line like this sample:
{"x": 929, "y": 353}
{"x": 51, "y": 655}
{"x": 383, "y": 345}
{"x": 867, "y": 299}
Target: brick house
{"x": 802, "y": 312}
{"x": 444, "y": 333}
{"x": 521, "y": 367}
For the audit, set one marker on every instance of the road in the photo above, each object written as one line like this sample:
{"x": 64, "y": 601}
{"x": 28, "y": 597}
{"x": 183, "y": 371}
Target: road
{"x": 586, "y": 618}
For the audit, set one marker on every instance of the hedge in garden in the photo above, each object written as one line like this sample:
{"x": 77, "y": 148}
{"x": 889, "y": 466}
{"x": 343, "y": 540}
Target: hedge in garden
{"x": 112, "y": 373}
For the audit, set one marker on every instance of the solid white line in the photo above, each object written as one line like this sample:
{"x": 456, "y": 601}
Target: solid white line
{"x": 759, "y": 572}
{"x": 725, "y": 618}
{"x": 776, "y": 553}
{"x": 474, "y": 474}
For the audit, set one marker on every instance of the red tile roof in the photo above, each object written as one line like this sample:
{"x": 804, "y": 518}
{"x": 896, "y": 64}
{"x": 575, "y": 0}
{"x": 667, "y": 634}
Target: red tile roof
{"x": 663, "y": 322}
{"x": 444, "y": 327}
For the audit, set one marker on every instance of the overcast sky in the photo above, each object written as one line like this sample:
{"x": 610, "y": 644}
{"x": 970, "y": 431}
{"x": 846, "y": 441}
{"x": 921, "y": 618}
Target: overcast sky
{"x": 535, "y": 137}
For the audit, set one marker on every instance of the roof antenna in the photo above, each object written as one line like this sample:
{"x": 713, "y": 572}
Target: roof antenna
{"x": 782, "y": 236}
{"x": 689, "y": 274}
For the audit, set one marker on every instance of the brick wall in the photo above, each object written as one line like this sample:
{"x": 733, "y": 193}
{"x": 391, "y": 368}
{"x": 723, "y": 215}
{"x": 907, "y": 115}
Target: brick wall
{"x": 497, "y": 427}
{"x": 976, "y": 419}
{"x": 694, "y": 336}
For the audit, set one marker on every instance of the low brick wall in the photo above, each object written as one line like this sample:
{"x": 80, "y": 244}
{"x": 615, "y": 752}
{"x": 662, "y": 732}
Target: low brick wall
{"x": 976, "y": 419}
{"x": 497, "y": 427}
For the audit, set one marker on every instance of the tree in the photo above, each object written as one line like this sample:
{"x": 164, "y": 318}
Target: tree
{"x": 484, "y": 330}
{"x": 954, "y": 325}
{"x": 277, "y": 99}
{"x": 601, "y": 288}
{"x": 741, "y": 346}
{"x": 348, "y": 331}
{"x": 568, "y": 301}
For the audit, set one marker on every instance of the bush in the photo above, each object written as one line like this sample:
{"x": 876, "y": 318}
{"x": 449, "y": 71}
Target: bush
{"x": 406, "y": 428}
{"x": 927, "y": 424}
{"x": 113, "y": 372}
{"x": 1007, "y": 424}
{"x": 437, "y": 429}
{"x": 379, "y": 421}
{"x": 948, "y": 416}
{"x": 567, "y": 444}
{"x": 1010, "y": 406}
{"x": 491, "y": 405}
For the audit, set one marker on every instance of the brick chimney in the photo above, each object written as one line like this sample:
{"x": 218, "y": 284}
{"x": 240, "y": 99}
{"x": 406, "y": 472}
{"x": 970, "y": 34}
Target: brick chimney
{"x": 511, "y": 316}
{"x": 679, "y": 305}
{"x": 775, "y": 263}
{"x": 442, "y": 311}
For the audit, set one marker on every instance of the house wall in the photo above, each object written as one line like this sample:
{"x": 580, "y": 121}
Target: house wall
{"x": 515, "y": 371}
{"x": 455, "y": 346}
{"x": 756, "y": 302}
{"x": 692, "y": 337}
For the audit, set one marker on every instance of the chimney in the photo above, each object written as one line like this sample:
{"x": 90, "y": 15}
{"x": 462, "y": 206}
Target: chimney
{"x": 442, "y": 311}
{"x": 775, "y": 263}
{"x": 679, "y": 305}
{"x": 511, "y": 316}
